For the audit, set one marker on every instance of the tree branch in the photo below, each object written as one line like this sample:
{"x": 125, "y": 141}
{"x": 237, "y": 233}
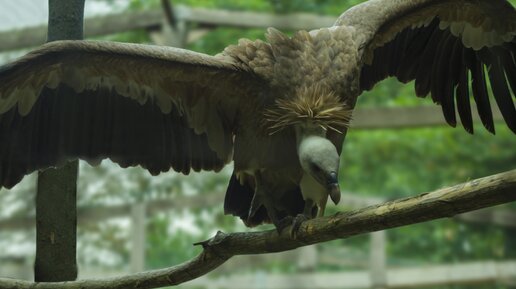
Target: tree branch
{"x": 473, "y": 195}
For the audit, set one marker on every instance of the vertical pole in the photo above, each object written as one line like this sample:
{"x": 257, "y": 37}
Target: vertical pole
{"x": 138, "y": 216}
{"x": 308, "y": 258}
{"x": 175, "y": 37}
{"x": 510, "y": 251}
{"x": 56, "y": 223}
{"x": 56, "y": 205}
{"x": 65, "y": 20}
{"x": 174, "y": 29}
{"x": 378, "y": 260}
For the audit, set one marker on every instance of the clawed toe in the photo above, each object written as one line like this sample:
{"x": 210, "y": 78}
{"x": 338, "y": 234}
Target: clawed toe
{"x": 296, "y": 224}
{"x": 283, "y": 223}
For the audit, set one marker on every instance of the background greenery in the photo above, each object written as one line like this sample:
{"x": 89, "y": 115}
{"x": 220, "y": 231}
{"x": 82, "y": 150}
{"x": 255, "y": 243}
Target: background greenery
{"x": 385, "y": 163}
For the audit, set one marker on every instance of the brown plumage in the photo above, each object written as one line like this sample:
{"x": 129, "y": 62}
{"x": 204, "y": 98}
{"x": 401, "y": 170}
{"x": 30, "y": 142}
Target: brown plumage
{"x": 279, "y": 109}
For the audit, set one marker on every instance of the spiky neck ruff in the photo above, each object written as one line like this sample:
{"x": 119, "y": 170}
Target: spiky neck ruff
{"x": 314, "y": 106}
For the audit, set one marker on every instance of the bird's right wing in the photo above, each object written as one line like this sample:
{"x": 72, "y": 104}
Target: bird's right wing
{"x": 157, "y": 107}
{"x": 449, "y": 47}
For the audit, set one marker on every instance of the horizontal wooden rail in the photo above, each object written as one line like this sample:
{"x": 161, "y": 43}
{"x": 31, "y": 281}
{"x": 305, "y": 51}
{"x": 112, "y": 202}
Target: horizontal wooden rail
{"x": 408, "y": 117}
{"x": 421, "y": 276}
{"x": 149, "y": 19}
{"x": 88, "y": 215}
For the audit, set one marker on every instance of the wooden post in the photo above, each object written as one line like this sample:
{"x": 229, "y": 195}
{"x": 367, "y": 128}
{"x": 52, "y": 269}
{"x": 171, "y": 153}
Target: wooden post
{"x": 175, "y": 36}
{"x": 308, "y": 259}
{"x": 138, "y": 218}
{"x": 174, "y": 28}
{"x": 510, "y": 252}
{"x": 56, "y": 199}
{"x": 378, "y": 260}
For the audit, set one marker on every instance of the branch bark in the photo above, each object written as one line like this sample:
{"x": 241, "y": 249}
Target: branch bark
{"x": 447, "y": 202}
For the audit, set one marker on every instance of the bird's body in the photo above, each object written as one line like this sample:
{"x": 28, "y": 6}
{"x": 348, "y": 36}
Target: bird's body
{"x": 279, "y": 108}
{"x": 314, "y": 70}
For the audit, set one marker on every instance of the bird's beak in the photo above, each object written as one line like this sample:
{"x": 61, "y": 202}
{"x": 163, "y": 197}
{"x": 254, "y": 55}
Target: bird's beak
{"x": 334, "y": 188}
{"x": 335, "y": 193}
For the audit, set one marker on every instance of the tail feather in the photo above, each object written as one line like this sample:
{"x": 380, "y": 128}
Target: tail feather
{"x": 238, "y": 202}
{"x": 239, "y": 198}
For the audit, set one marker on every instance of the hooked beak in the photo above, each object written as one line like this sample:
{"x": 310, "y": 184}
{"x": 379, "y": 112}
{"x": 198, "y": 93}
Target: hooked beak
{"x": 333, "y": 188}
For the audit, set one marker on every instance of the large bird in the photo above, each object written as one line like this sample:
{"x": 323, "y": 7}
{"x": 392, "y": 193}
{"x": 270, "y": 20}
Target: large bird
{"x": 279, "y": 109}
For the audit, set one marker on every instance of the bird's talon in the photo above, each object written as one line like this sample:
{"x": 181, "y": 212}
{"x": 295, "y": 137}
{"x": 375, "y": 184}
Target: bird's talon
{"x": 296, "y": 225}
{"x": 283, "y": 223}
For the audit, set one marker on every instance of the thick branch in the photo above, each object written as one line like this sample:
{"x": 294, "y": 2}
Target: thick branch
{"x": 473, "y": 195}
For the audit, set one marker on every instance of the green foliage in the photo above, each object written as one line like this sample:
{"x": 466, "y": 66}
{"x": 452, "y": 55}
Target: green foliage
{"x": 167, "y": 244}
{"x": 401, "y": 162}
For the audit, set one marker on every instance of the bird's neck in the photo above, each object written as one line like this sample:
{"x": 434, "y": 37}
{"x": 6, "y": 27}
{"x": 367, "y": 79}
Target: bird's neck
{"x": 305, "y": 131}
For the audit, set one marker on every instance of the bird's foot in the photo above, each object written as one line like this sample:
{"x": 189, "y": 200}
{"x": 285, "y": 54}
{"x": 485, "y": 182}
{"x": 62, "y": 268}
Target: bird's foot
{"x": 296, "y": 224}
{"x": 283, "y": 223}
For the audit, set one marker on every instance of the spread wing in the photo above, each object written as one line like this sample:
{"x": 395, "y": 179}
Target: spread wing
{"x": 450, "y": 48}
{"x": 157, "y": 107}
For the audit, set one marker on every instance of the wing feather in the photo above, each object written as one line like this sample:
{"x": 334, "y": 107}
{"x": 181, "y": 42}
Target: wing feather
{"x": 509, "y": 63}
{"x": 409, "y": 66}
{"x": 500, "y": 88}
{"x": 480, "y": 93}
{"x": 423, "y": 76}
{"x": 157, "y": 107}
{"x": 438, "y": 44}
{"x": 462, "y": 92}
{"x": 451, "y": 70}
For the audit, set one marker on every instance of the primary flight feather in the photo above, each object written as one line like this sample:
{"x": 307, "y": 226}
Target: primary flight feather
{"x": 279, "y": 109}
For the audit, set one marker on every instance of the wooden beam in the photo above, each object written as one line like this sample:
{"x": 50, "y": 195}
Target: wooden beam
{"x": 455, "y": 274}
{"x": 248, "y": 19}
{"x": 501, "y": 217}
{"x": 101, "y": 213}
{"x": 288, "y": 258}
{"x": 94, "y": 26}
{"x": 407, "y": 117}
{"x": 148, "y": 19}
{"x": 88, "y": 215}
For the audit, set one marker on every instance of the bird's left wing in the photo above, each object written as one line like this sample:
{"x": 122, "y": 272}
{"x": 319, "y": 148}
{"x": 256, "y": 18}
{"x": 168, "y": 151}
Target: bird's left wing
{"x": 157, "y": 107}
{"x": 449, "y": 47}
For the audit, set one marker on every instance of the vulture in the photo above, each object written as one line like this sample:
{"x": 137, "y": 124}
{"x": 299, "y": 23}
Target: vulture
{"x": 279, "y": 109}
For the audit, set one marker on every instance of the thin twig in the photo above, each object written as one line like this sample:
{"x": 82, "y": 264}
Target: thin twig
{"x": 447, "y": 202}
